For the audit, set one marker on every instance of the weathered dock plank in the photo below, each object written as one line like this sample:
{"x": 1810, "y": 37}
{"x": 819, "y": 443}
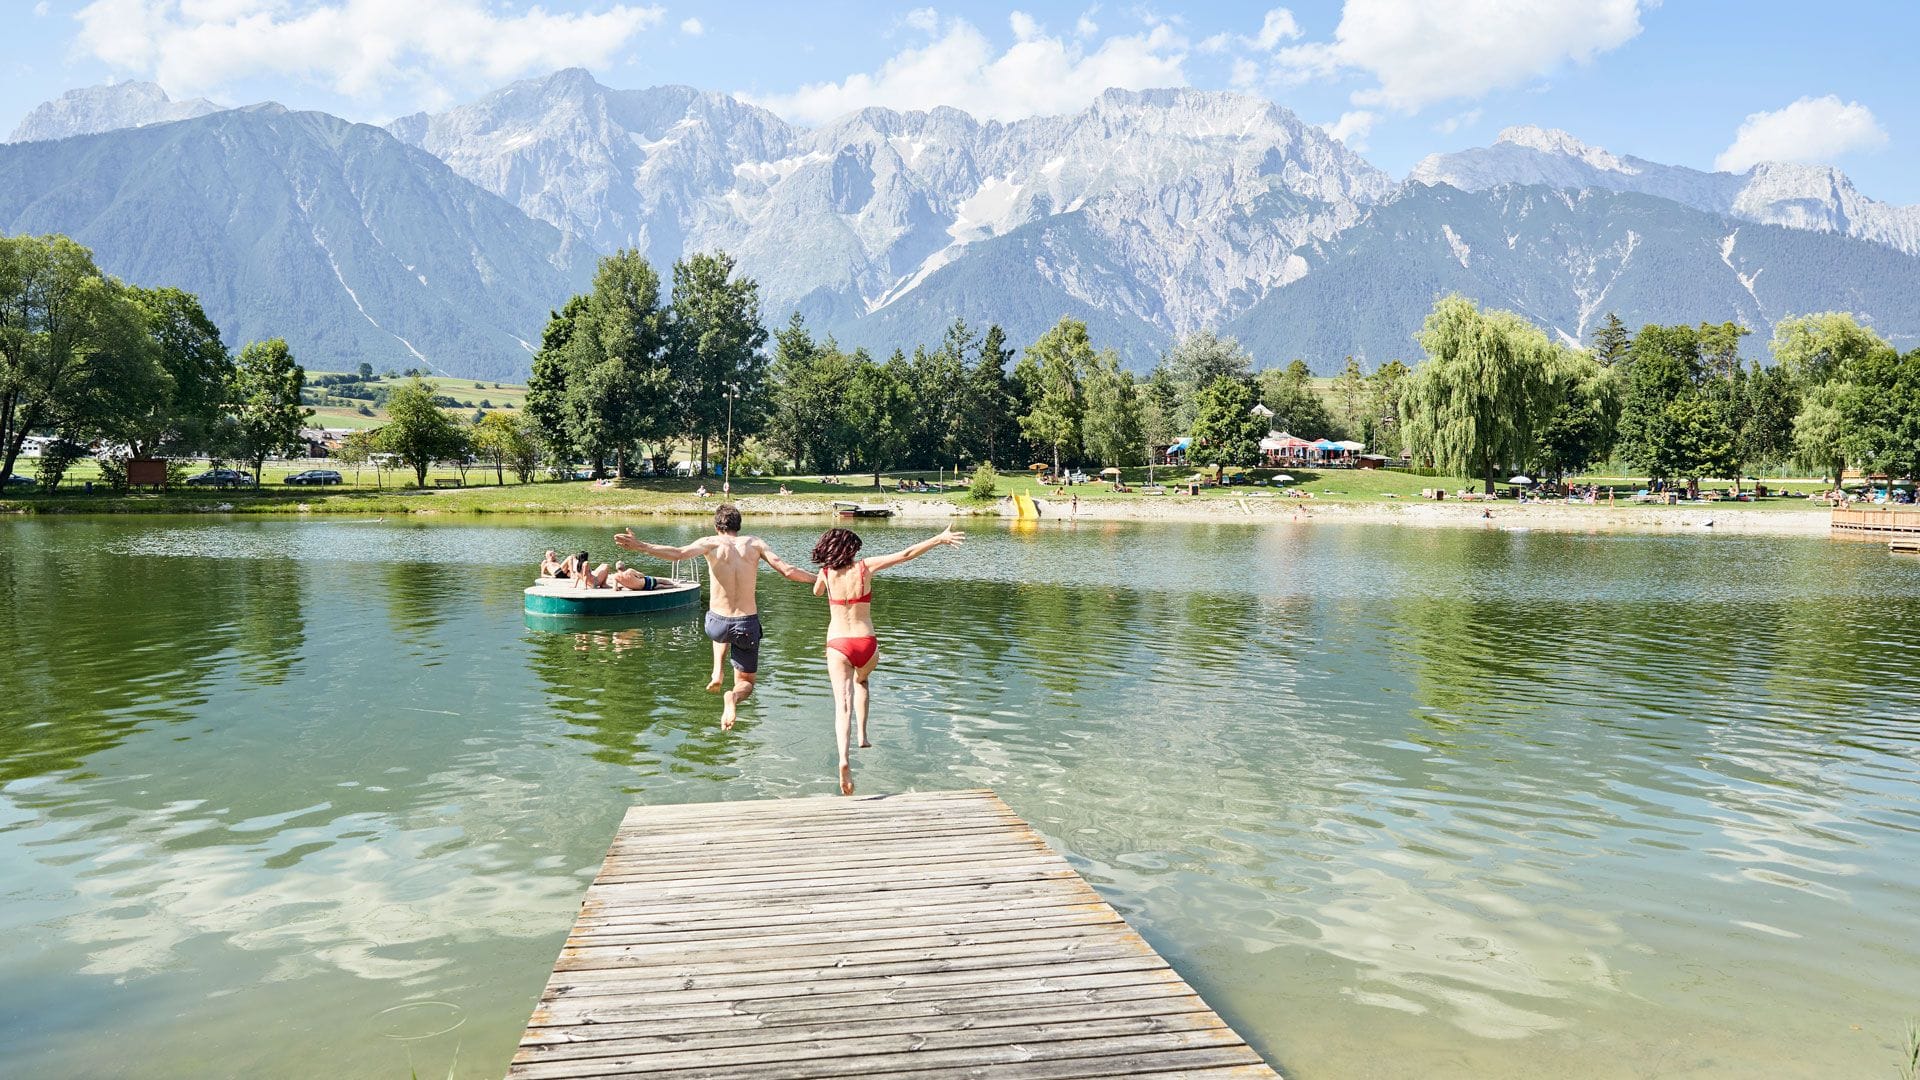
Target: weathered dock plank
{"x": 927, "y": 935}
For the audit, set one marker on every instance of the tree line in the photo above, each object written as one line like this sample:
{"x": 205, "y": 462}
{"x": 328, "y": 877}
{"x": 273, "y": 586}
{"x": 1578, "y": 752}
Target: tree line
{"x": 1673, "y": 403}
{"x": 86, "y": 358}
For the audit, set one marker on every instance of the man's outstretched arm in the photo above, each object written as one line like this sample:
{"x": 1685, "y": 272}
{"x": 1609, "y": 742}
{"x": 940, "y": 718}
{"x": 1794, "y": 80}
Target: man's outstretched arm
{"x": 659, "y": 551}
{"x": 784, "y": 568}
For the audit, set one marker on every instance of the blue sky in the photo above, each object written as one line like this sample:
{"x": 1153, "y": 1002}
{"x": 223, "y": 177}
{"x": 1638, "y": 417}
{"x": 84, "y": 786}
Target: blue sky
{"x": 1690, "y": 83}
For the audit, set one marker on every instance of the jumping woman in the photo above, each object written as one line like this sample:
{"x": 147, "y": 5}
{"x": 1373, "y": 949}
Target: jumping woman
{"x": 852, "y": 649}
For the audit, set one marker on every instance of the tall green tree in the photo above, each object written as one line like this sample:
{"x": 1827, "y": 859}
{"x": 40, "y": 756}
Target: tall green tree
{"x": 1112, "y": 427}
{"x": 1611, "y": 341}
{"x": 620, "y": 392}
{"x": 547, "y": 407}
{"x": 1581, "y": 428}
{"x": 418, "y": 431}
{"x": 1226, "y": 431}
{"x": 196, "y": 370}
{"x": 1196, "y": 361}
{"x": 940, "y": 390}
{"x": 993, "y": 408}
{"x": 810, "y": 422}
{"x": 1050, "y": 374}
{"x": 1819, "y": 348}
{"x": 266, "y": 411}
{"x": 881, "y": 412}
{"x": 1483, "y": 394}
{"x": 717, "y": 337}
{"x": 1350, "y": 395}
{"x": 1160, "y": 410}
{"x": 1297, "y": 408}
{"x": 1380, "y": 427}
{"x": 68, "y": 335}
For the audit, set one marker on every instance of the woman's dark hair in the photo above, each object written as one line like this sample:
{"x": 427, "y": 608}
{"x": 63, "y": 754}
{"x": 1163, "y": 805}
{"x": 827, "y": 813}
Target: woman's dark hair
{"x": 727, "y": 519}
{"x": 836, "y": 549}
{"x": 582, "y": 558}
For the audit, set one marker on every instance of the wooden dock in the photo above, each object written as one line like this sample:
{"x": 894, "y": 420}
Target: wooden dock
{"x": 928, "y": 935}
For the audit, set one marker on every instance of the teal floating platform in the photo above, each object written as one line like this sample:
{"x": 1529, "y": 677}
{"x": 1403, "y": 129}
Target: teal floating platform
{"x": 560, "y": 599}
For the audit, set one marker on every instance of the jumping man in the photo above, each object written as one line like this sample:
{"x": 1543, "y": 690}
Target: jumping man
{"x": 733, "y": 617}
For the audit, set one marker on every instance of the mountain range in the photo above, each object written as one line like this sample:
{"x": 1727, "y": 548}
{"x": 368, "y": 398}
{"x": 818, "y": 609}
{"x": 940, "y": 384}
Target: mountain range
{"x": 442, "y": 240}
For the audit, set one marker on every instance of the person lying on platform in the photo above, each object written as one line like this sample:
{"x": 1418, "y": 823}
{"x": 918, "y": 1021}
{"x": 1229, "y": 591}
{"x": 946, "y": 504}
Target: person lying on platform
{"x": 553, "y": 566}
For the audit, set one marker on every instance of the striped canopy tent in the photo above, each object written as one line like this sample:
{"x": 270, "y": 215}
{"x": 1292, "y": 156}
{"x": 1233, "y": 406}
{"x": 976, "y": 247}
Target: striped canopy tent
{"x": 1352, "y": 447}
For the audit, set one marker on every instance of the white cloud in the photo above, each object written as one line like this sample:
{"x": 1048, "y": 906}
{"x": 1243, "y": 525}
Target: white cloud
{"x": 925, "y": 19}
{"x": 362, "y": 49}
{"x": 1459, "y": 120}
{"x": 1420, "y": 52}
{"x": 1352, "y": 128}
{"x": 1025, "y": 27}
{"x": 40, "y": 8}
{"x": 1246, "y": 74}
{"x": 1278, "y": 26}
{"x": 1085, "y": 26}
{"x": 692, "y": 27}
{"x": 1039, "y": 74}
{"x": 1810, "y": 130}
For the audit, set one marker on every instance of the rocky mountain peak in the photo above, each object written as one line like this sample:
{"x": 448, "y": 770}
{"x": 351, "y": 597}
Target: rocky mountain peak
{"x": 108, "y": 107}
{"x": 1556, "y": 141}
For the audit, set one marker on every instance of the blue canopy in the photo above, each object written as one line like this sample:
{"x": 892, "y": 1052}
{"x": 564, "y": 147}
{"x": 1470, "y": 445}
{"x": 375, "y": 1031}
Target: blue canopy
{"x": 1179, "y": 446}
{"x": 1328, "y": 444}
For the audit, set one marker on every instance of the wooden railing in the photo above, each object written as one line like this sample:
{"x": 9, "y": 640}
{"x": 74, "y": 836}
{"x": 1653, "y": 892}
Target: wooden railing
{"x": 1879, "y": 519}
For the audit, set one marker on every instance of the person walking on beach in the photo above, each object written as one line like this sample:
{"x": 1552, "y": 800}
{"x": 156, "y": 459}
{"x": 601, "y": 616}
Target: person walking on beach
{"x": 853, "y": 650}
{"x": 733, "y": 616}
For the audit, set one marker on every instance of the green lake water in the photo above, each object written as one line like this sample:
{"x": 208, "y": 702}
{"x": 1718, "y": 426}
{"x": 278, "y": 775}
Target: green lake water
{"x": 310, "y": 799}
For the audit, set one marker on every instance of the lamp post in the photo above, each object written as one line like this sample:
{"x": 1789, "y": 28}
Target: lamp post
{"x": 726, "y": 457}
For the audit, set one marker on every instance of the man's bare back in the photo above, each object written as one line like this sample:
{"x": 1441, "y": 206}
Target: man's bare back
{"x": 733, "y": 620}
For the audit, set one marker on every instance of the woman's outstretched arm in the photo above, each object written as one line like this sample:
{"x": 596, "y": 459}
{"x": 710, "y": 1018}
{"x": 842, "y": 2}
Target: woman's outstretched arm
{"x": 881, "y": 562}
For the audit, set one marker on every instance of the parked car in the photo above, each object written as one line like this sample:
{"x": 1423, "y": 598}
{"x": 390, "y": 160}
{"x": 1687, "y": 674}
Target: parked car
{"x": 20, "y": 482}
{"x": 316, "y": 476}
{"x": 221, "y": 478}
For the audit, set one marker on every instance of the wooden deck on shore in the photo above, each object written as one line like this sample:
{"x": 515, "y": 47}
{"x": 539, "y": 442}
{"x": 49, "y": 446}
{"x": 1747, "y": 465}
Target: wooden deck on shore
{"x": 928, "y": 935}
{"x": 1877, "y": 522}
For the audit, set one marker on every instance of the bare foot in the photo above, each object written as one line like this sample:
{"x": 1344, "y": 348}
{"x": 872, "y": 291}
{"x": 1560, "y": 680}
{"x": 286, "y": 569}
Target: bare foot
{"x": 713, "y": 685}
{"x": 864, "y": 744}
{"x": 846, "y": 779}
{"x": 729, "y": 712}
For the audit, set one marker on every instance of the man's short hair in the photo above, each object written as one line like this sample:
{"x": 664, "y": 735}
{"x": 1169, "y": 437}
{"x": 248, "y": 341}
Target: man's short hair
{"x": 727, "y": 518}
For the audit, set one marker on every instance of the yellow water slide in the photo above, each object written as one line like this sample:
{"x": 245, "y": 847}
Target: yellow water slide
{"x": 1024, "y": 508}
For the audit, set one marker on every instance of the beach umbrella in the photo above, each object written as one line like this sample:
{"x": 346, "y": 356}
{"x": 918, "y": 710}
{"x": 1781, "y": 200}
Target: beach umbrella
{"x": 1109, "y": 472}
{"x": 1038, "y": 466}
{"x": 1519, "y": 479}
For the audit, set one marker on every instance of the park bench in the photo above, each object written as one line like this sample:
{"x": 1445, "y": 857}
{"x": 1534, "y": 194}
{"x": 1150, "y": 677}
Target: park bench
{"x": 447, "y": 481}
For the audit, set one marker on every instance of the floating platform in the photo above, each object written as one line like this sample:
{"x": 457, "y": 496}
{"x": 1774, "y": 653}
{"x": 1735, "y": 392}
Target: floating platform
{"x": 558, "y": 598}
{"x": 861, "y": 510}
{"x": 929, "y": 935}
{"x": 1877, "y": 522}
{"x": 1906, "y": 546}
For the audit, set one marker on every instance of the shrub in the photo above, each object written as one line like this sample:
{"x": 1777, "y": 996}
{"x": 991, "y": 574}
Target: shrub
{"x": 984, "y": 485}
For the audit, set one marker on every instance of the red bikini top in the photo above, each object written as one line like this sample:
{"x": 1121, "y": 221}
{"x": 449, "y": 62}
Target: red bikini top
{"x": 865, "y": 598}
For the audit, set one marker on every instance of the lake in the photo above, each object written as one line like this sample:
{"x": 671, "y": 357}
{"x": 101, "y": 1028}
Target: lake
{"x": 310, "y": 799}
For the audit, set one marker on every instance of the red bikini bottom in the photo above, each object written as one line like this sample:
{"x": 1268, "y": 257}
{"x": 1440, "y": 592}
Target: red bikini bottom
{"x": 857, "y": 650}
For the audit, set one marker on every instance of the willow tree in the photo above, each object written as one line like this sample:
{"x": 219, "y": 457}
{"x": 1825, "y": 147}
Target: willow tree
{"x": 1489, "y": 384}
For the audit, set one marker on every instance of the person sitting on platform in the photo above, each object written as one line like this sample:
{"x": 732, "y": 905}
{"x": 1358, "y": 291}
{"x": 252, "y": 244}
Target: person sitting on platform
{"x": 553, "y": 566}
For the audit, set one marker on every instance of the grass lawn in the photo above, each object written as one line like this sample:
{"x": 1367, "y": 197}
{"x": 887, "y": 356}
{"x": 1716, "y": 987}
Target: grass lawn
{"x": 393, "y": 493}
